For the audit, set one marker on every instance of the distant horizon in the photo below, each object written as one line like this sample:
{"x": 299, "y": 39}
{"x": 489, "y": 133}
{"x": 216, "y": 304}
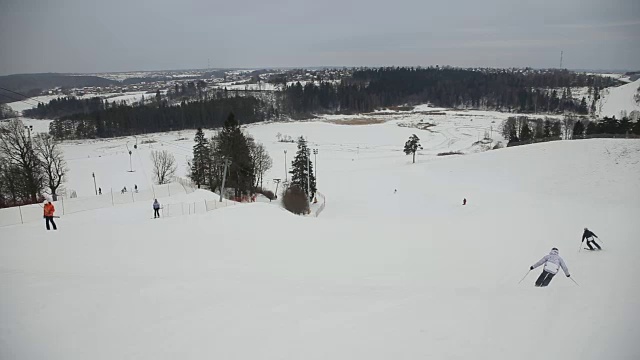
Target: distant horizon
{"x": 596, "y": 70}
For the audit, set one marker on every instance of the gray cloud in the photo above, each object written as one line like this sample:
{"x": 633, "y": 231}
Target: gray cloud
{"x": 121, "y": 35}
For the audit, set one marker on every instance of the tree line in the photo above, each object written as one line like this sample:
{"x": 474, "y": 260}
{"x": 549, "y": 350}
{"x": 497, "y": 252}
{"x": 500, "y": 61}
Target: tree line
{"x": 65, "y": 106}
{"x": 525, "y": 129}
{"x": 524, "y": 91}
{"x": 159, "y": 116}
{"x": 29, "y": 166}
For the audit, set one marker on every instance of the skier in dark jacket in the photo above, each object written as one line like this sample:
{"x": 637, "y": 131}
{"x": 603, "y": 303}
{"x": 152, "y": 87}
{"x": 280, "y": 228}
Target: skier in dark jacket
{"x": 589, "y": 235}
{"x": 156, "y": 209}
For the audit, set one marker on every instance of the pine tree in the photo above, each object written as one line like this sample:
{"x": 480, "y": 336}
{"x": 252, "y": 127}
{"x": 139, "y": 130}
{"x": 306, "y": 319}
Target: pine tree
{"x": 302, "y": 169}
{"x": 233, "y": 146}
{"x": 547, "y": 128}
{"x": 556, "y": 129}
{"x": 525, "y": 132}
{"x": 201, "y": 154}
{"x": 578, "y": 130}
{"x": 412, "y": 146}
{"x": 592, "y": 128}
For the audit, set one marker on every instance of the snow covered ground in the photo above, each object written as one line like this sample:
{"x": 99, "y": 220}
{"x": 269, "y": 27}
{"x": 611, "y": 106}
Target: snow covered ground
{"x": 379, "y": 275}
{"x": 620, "y": 98}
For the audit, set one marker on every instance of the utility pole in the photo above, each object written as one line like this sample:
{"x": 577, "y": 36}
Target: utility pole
{"x": 286, "y": 175}
{"x": 224, "y": 177}
{"x": 94, "y": 183}
{"x": 561, "y": 53}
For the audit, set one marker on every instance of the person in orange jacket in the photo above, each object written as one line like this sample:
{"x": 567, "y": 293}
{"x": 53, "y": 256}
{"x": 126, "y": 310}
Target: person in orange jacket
{"x": 48, "y": 214}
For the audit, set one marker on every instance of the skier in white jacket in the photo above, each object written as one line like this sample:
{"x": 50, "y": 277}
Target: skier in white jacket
{"x": 552, "y": 263}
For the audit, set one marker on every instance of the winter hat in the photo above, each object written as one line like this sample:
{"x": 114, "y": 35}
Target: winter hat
{"x": 555, "y": 248}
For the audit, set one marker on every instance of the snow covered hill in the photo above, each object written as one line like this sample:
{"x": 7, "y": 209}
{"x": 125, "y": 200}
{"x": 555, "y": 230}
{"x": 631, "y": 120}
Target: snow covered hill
{"x": 379, "y": 275}
{"x": 621, "y": 98}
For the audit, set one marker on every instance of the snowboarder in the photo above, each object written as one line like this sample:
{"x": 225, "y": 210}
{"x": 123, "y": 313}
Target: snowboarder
{"x": 156, "y": 208}
{"x": 589, "y": 235}
{"x": 99, "y": 191}
{"x": 48, "y": 214}
{"x": 464, "y": 201}
{"x": 551, "y": 264}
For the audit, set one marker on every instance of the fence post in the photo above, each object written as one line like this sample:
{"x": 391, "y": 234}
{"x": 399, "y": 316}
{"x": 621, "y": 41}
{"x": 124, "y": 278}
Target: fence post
{"x": 206, "y": 208}
{"x": 62, "y": 199}
{"x": 112, "y": 203}
{"x": 20, "y": 209}
{"x": 169, "y": 189}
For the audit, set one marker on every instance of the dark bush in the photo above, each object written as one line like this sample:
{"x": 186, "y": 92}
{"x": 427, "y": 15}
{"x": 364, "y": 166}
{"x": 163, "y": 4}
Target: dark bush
{"x": 450, "y": 153}
{"x": 295, "y": 200}
{"x": 267, "y": 193}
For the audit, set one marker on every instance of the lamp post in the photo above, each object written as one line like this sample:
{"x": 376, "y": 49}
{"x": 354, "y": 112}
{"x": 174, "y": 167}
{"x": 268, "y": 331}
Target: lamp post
{"x": 286, "y": 176}
{"x": 315, "y": 159}
{"x": 94, "y": 182}
{"x": 130, "y": 163}
{"x": 29, "y": 128}
{"x": 308, "y": 175}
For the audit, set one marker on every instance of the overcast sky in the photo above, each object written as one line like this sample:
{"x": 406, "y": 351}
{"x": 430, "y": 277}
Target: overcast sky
{"x": 124, "y": 35}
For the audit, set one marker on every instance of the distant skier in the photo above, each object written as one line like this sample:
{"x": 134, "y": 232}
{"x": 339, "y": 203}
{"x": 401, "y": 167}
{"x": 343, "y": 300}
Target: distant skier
{"x": 589, "y": 235}
{"x": 464, "y": 201}
{"x": 49, "y": 209}
{"x": 551, "y": 264}
{"x": 99, "y": 191}
{"x": 136, "y": 188}
{"x": 156, "y": 209}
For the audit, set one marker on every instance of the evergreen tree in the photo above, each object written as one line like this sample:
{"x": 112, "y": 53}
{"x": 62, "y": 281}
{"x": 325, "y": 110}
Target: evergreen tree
{"x": 556, "y": 129}
{"x": 592, "y": 128}
{"x": 547, "y": 128}
{"x": 525, "y": 132}
{"x": 412, "y": 146}
{"x": 583, "y": 109}
{"x": 578, "y": 130}
{"x": 233, "y": 146}
{"x": 201, "y": 154}
{"x": 302, "y": 170}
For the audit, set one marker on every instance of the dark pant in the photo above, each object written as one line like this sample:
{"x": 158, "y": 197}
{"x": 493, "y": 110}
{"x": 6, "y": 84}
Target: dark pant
{"x": 156, "y": 213}
{"x": 50, "y": 219}
{"x": 545, "y": 278}
{"x": 591, "y": 241}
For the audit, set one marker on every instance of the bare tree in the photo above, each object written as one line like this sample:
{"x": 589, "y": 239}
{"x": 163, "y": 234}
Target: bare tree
{"x": 52, "y": 160}
{"x": 164, "y": 166}
{"x": 262, "y": 161}
{"x": 17, "y": 150}
{"x": 568, "y": 123}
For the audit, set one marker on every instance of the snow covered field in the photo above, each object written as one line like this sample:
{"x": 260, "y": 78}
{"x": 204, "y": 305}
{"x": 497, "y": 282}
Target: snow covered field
{"x": 379, "y": 275}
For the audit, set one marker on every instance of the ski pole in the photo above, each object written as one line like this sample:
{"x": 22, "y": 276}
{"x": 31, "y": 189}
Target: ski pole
{"x": 525, "y": 275}
{"x": 570, "y": 278}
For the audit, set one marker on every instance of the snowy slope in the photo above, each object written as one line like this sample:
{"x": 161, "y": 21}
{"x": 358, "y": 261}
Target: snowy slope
{"x": 619, "y": 99}
{"x": 377, "y": 276}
